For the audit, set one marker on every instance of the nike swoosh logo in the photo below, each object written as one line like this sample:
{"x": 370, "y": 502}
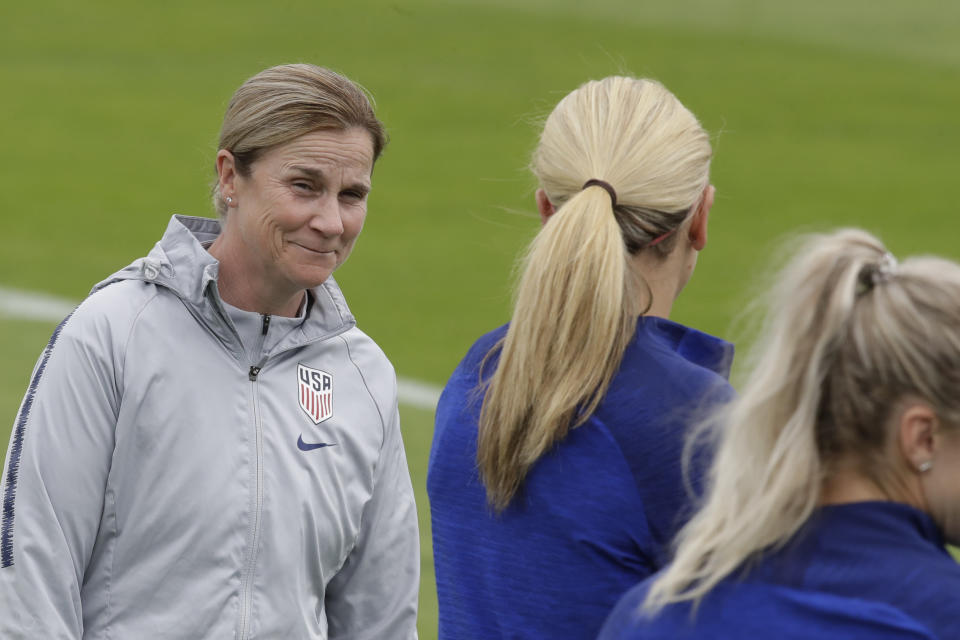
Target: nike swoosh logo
{"x": 309, "y": 446}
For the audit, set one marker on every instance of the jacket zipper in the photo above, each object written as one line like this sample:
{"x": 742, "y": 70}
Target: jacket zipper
{"x": 246, "y": 591}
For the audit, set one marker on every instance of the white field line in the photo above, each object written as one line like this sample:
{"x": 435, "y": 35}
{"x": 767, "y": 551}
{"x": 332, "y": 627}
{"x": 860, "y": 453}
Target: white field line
{"x": 25, "y": 305}
{"x": 28, "y": 305}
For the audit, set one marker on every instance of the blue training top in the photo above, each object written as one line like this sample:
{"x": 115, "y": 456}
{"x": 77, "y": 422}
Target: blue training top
{"x": 860, "y": 571}
{"x": 593, "y": 515}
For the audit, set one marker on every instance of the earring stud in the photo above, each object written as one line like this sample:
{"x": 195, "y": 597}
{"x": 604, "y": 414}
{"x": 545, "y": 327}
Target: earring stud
{"x": 925, "y": 466}
{"x": 229, "y": 201}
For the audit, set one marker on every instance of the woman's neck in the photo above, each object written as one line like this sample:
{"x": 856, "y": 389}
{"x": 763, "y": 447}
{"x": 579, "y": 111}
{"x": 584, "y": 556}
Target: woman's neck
{"x": 245, "y": 289}
{"x": 846, "y": 482}
{"x": 665, "y": 278}
{"x": 846, "y": 485}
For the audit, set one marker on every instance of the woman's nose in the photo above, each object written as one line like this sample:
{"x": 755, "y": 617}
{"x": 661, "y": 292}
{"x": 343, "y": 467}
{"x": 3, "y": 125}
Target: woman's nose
{"x": 326, "y": 217}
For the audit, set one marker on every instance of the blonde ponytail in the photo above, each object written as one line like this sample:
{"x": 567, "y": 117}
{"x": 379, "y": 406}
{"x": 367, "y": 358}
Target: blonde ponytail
{"x": 570, "y": 326}
{"x": 577, "y": 300}
{"x": 840, "y": 345}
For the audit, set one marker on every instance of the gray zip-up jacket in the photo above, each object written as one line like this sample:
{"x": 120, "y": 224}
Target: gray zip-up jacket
{"x": 168, "y": 479}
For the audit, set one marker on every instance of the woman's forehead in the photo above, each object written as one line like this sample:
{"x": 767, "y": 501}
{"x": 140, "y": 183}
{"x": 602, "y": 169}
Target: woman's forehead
{"x": 325, "y": 151}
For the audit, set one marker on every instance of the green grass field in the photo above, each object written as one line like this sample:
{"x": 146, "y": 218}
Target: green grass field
{"x": 824, "y": 113}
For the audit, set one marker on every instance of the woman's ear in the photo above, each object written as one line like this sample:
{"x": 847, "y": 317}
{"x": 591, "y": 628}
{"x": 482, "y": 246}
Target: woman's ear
{"x": 698, "y": 225}
{"x": 544, "y": 206}
{"x": 917, "y": 427}
{"x": 226, "y": 172}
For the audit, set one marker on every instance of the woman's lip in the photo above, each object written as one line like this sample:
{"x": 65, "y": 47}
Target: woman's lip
{"x": 312, "y": 250}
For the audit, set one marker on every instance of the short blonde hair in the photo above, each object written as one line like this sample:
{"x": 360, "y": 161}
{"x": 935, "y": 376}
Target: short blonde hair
{"x": 576, "y": 303}
{"x": 285, "y": 102}
{"x": 848, "y": 335}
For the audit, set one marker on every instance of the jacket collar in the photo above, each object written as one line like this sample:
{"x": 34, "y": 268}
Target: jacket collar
{"x": 695, "y": 346}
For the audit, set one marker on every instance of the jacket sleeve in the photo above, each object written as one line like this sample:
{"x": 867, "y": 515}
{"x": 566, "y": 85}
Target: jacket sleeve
{"x": 54, "y": 480}
{"x": 374, "y": 595}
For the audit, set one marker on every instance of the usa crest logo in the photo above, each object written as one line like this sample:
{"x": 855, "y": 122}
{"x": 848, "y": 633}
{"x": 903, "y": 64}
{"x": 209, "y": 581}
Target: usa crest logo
{"x": 315, "y": 388}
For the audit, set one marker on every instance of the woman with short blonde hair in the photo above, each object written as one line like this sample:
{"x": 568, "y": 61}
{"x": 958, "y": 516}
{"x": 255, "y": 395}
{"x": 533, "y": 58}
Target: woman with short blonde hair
{"x": 555, "y": 477}
{"x": 837, "y": 477}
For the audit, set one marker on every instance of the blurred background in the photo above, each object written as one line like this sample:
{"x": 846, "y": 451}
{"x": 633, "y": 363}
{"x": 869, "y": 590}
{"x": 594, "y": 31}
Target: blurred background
{"x": 823, "y": 113}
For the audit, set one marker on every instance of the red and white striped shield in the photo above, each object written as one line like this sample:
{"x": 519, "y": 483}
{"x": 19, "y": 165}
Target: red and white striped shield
{"x": 316, "y": 392}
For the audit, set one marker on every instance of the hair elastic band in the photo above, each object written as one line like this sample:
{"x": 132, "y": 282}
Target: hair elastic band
{"x": 593, "y": 182}
{"x": 886, "y": 267}
{"x": 873, "y": 274}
